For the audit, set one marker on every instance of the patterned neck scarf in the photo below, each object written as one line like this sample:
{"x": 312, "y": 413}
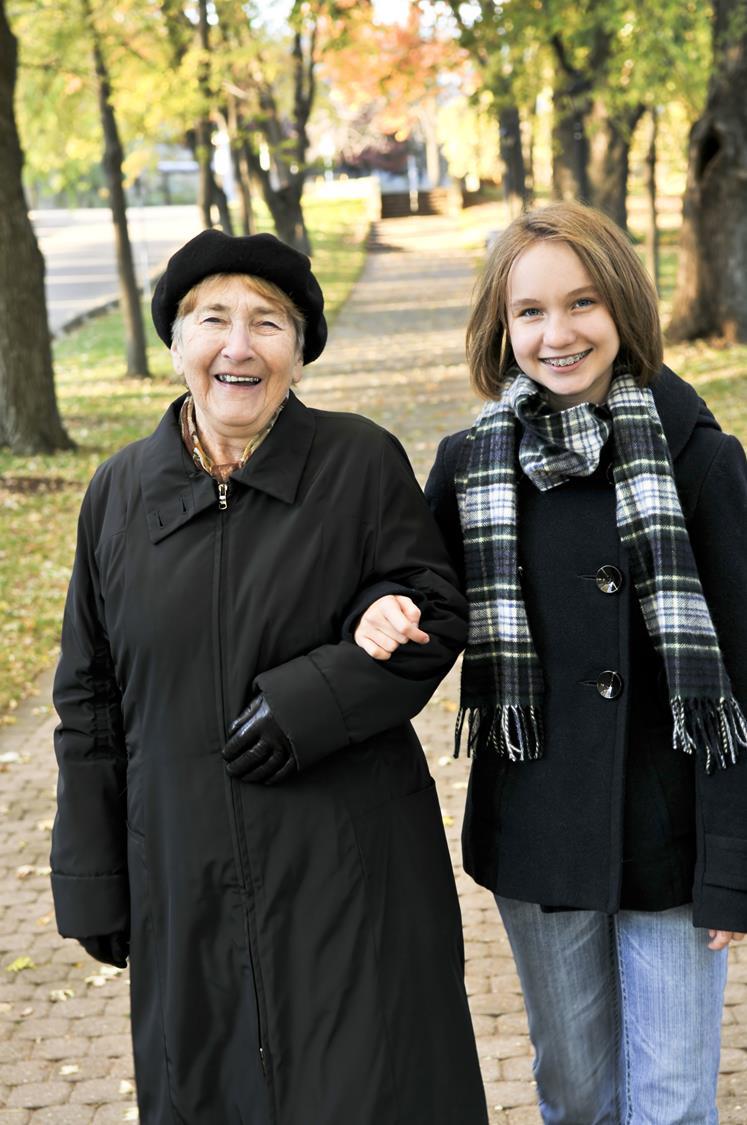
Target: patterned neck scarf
{"x": 201, "y": 458}
{"x": 502, "y": 683}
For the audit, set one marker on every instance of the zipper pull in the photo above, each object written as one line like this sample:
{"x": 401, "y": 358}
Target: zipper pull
{"x": 223, "y": 495}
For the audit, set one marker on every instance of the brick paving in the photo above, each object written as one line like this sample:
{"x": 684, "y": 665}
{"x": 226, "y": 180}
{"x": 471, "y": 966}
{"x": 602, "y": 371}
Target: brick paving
{"x": 396, "y": 354}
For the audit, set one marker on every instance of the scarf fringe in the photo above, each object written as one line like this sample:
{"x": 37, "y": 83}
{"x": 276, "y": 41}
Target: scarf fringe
{"x": 514, "y": 731}
{"x": 716, "y": 728}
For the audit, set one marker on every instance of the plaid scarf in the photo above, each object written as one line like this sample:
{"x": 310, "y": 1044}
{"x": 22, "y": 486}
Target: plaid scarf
{"x": 502, "y": 683}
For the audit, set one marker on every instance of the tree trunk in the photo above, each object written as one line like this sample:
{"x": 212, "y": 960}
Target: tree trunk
{"x": 570, "y": 151}
{"x": 572, "y": 104}
{"x": 711, "y": 293}
{"x": 29, "y": 418}
{"x": 609, "y": 160}
{"x": 137, "y": 360}
{"x": 514, "y": 172}
{"x": 287, "y": 215}
{"x": 220, "y": 199}
{"x": 652, "y": 226}
{"x": 244, "y": 182}
{"x": 204, "y": 128}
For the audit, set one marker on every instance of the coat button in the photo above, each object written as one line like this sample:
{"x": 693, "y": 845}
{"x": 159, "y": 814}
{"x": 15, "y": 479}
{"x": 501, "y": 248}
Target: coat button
{"x": 609, "y": 579}
{"x": 609, "y": 684}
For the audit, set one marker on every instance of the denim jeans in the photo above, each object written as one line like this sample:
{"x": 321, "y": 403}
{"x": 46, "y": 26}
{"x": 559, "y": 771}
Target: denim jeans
{"x": 624, "y": 1014}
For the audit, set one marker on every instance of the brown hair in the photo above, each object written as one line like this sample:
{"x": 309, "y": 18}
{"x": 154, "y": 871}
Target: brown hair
{"x": 615, "y": 269}
{"x": 266, "y": 289}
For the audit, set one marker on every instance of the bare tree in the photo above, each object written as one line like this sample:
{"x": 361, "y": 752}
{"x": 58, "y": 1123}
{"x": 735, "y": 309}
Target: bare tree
{"x": 29, "y": 418}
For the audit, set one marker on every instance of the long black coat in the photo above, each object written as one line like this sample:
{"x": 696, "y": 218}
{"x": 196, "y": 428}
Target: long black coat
{"x": 296, "y": 952}
{"x": 612, "y": 816}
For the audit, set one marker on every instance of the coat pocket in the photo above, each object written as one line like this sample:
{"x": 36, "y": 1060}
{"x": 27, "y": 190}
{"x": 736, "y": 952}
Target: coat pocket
{"x": 726, "y": 862}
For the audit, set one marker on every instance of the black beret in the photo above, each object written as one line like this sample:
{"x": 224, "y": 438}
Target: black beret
{"x": 262, "y": 255}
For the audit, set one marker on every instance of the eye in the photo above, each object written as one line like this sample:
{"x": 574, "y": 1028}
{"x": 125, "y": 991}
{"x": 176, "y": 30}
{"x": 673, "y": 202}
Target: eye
{"x": 211, "y": 320}
{"x": 584, "y": 302}
{"x": 530, "y": 312}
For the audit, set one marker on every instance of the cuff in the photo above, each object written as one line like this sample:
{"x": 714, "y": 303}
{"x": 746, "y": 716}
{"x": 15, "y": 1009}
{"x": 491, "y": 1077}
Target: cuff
{"x": 91, "y": 904}
{"x": 305, "y": 708}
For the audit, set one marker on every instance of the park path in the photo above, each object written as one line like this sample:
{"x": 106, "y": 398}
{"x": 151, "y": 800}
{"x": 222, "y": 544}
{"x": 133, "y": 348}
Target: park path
{"x": 396, "y": 354}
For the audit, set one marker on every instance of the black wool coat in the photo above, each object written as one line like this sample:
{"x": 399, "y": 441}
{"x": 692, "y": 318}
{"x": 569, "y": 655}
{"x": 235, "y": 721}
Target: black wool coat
{"x": 612, "y": 816}
{"x": 296, "y": 951}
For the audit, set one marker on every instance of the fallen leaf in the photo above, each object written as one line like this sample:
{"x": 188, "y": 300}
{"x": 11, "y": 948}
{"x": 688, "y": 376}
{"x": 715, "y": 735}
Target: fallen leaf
{"x": 57, "y": 995}
{"x": 20, "y": 964}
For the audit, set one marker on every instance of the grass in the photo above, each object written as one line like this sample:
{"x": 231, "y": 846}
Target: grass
{"x": 102, "y": 410}
{"x": 40, "y": 496}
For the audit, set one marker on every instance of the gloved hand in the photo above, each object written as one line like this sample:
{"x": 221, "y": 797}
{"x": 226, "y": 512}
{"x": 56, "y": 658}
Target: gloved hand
{"x": 257, "y": 749}
{"x": 110, "y": 949}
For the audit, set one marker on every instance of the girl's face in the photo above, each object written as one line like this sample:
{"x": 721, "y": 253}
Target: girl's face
{"x": 562, "y": 336}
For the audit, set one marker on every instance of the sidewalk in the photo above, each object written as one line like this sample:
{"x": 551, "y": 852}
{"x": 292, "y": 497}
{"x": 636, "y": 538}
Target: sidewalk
{"x": 396, "y": 354}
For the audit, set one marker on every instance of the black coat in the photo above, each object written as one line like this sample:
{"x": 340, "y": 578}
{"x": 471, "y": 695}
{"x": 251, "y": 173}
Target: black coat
{"x": 296, "y": 952}
{"x": 612, "y": 816}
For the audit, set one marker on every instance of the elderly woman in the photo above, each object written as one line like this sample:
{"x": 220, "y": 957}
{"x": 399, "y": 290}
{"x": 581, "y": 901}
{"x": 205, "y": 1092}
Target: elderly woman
{"x": 243, "y": 805}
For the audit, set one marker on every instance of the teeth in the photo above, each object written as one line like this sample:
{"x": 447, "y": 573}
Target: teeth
{"x": 250, "y": 380}
{"x": 566, "y": 360}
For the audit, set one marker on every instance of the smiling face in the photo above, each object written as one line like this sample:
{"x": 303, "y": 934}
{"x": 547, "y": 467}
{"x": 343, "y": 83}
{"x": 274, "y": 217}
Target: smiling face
{"x": 562, "y": 336}
{"x": 238, "y": 354}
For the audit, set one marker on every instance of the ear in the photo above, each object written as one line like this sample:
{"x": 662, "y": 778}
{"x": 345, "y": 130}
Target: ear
{"x": 297, "y": 371}
{"x": 176, "y": 358}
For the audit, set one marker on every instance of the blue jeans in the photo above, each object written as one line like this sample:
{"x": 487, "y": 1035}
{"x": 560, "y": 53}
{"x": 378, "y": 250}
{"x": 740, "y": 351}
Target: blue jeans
{"x": 624, "y": 1014}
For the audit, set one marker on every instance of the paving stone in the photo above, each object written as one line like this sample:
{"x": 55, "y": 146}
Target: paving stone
{"x": 69, "y": 1046}
{"x": 36, "y": 1095}
{"x": 101, "y": 1090}
{"x": 63, "y": 1115}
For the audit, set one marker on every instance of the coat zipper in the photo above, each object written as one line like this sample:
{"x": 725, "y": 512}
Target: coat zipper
{"x": 223, "y": 493}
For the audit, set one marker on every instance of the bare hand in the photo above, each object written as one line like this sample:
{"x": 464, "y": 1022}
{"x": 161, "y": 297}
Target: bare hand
{"x": 721, "y": 938}
{"x": 389, "y": 622}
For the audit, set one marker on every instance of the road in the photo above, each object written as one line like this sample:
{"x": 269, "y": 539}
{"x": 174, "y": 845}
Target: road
{"x": 78, "y": 247}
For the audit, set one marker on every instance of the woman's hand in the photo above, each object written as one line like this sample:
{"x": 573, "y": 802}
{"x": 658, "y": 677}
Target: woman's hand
{"x": 388, "y": 623}
{"x": 721, "y": 938}
{"x": 257, "y": 749}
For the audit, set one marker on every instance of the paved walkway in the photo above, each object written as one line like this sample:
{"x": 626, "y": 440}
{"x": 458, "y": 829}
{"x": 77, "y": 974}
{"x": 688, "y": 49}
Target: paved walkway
{"x": 396, "y": 353}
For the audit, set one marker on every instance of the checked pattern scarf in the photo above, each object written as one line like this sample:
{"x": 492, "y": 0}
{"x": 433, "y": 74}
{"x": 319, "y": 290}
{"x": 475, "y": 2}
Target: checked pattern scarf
{"x": 502, "y": 682}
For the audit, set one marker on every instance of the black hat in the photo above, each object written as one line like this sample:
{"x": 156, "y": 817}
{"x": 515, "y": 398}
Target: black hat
{"x": 261, "y": 255}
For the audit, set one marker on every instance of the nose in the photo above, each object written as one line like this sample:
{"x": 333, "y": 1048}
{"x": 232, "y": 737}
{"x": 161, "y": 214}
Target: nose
{"x": 238, "y": 344}
{"x": 559, "y": 330}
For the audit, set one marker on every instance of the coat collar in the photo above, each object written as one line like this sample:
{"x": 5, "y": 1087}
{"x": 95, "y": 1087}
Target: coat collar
{"x": 174, "y": 490}
{"x": 680, "y": 409}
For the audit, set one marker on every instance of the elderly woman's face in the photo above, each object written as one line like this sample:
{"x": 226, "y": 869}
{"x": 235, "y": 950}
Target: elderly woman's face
{"x": 238, "y": 356}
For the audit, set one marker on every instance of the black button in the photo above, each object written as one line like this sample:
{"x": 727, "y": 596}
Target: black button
{"x": 609, "y": 579}
{"x": 609, "y": 684}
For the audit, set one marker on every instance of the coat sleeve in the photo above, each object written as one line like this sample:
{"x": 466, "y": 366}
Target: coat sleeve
{"x": 89, "y": 853}
{"x": 718, "y": 532}
{"x": 440, "y": 495}
{"x": 336, "y": 695}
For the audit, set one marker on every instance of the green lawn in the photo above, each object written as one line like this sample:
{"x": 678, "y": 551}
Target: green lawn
{"x": 102, "y": 410}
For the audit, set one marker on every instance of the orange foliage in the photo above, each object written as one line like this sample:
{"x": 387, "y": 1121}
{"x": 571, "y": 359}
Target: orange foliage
{"x": 385, "y": 71}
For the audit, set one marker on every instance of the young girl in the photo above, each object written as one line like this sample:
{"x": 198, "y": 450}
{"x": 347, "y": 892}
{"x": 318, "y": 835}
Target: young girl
{"x": 598, "y": 516}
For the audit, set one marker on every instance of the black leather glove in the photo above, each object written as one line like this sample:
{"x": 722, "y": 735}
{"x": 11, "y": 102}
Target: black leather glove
{"x": 110, "y": 949}
{"x": 257, "y": 749}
